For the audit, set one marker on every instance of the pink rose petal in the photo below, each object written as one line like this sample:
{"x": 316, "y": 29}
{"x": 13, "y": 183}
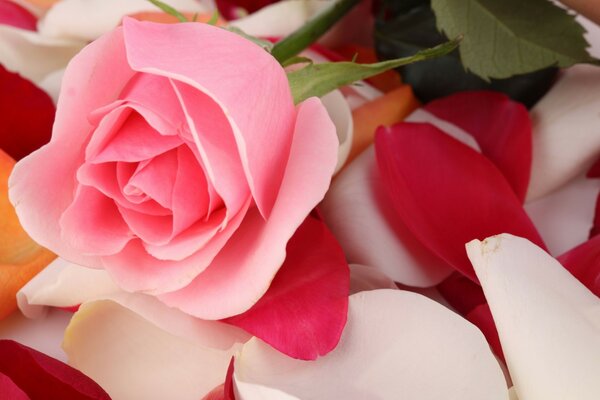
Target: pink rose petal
{"x": 261, "y": 115}
{"x": 447, "y": 193}
{"x": 240, "y": 274}
{"x": 310, "y": 291}
{"x": 98, "y": 71}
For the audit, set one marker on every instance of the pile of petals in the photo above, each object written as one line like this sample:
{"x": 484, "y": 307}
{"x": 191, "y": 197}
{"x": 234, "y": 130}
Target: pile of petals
{"x": 173, "y": 226}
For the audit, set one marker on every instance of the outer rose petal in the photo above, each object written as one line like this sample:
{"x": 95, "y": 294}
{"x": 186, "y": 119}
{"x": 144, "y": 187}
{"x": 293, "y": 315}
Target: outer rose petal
{"x": 27, "y": 115}
{"x": 564, "y": 217}
{"x": 42, "y": 184}
{"x": 310, "y": 290}
{"x": 446, "y": 193}
{"x": 261, "y": 114}
{"x": 242, "y": 271}
{"x": 42, "y": 377}
{"x": 357, "y": 210}
{"x": 396, "y": 344}
{"x": 134, "y": 359}
{"x": 89, "y": 19}
{"x": 20, "y": 257}
{"x": 571, "y": 106}
{"x": 549, "y": 324}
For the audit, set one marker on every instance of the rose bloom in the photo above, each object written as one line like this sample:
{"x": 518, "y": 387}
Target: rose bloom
{"x": 179, "y": 164}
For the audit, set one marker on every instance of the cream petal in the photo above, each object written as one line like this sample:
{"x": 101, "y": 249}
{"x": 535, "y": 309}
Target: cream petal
{"x": 566, "y": 130}
{"x": 32, "y": 55}
{"x": 548, "y": 322}
{"x": 363, "y": 277}
{"x": 341, "y": 115}
{"x": 43, "y": 334}
{"x": 396, "y": 344}
{"x": 88, "y": 19}
{"x": 564, "y": 217}
{"x": 132, "y": 358}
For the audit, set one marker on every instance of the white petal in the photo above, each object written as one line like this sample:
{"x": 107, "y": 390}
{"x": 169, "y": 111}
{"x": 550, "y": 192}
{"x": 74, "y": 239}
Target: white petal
{"x": 396, "y": 345}
{"x": 363, "y": 277}
{"x": 89, "y": 19}
{"x": 279, "y": 19}
{"x": 592, "y": 35}
{"x": 32, "y": 55}
{"x": 43, "y": 334}
{"x": 339, "y": 111}
{"x": 52, "y": 82}
{"x": 566, "y": 130}
{"x": 131, "y": 358}
{"x": 63, "y": 284}
{"x": 355, "y": 209}
{"x": 564, "y": 217}
{"x": 548, "y": 322}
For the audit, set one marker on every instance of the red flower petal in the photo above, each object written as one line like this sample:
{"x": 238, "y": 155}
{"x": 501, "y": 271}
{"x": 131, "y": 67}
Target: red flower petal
{"x": 481, "y": 317}
{"x": 305, "y": 309}
{"x": 462, "y": 294}
{"x": 584, "y": 263}
{"x": 446, "y": 193}
{"x": 43, "y": 377}
{"x": 595, "y": 230}
{"x": 27, "y": 115}
{"x": 225, "y": 390}
{"x": 14, "y": 15}
{"x": 10, "y": 390}
{"x": 500, "y": 126}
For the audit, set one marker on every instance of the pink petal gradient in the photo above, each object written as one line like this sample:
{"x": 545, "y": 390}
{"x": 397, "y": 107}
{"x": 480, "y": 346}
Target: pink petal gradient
{"x": 93, "y": 225}
{"x": 214, "y": 139}
{"x": 583, "y": 262}
{"x": 98, "y": 71}
{"x": 447, "y": 193}
{"x": 501, "y": 127}
{"x": 249, "y": 85}
{"x": 14, "y": 15}
{"x": 305, "y": 309}
{"x": 241, "y": 273}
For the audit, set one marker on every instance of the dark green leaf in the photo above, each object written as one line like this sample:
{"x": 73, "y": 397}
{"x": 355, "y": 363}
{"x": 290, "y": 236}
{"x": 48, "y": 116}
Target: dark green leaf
{"x": 503, "y": 38}
{"x": 402, "y": 29}
{"x": 320, "y": 79}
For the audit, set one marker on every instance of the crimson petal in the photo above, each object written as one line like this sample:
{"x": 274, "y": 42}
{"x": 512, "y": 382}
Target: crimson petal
{"x": 501, "y": 127}
{"x": 583, "y": 262}
{"x": 305, "y": 309}
{"x": 446, "y": 193}
{"x": 14, "y": 15}
{"x": 43, "y": 377}
{"x": 27, "y": 115}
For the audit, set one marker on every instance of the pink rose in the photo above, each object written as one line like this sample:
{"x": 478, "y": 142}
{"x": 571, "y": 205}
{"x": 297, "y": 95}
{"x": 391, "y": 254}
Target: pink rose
{"x": 179, "y": 163}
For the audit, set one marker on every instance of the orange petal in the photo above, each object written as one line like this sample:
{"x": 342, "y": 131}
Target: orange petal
{"x": 388, "y": 109}
{"x": 164, "y": 18}
{"x": 386, "y": 82}
{"x": 20, "y": 257}
{"x": 42, "y": 4}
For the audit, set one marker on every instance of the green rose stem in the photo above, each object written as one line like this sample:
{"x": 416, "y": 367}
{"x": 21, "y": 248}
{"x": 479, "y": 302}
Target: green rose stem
{"x": 320, "y": 79}
{"x": 299, "y": 40}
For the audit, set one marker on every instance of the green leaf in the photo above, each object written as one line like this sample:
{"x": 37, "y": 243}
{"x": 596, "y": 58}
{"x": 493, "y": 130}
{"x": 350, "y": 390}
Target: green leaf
{"x": 214, "y": 18}
{"x": 320, "y": 79}
{"x": 299, "y": 40}
{"x": 403, "y": 28}
{"x": 265, "y": 44}
{"x": 508, "y": 37}
{"x": 169, "y": 10}
{"x": 296, "y": 60}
